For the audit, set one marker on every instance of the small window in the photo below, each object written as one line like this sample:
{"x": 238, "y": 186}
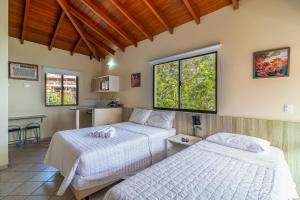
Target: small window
{"x": 61, "y": 90}
{"x": 188, "y": 84}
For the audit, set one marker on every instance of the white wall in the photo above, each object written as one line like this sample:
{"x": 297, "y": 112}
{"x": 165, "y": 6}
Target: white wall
{"x": 26, "y": 101}
{"x": 3, "y": 82}
{"x": 256, "y": 25}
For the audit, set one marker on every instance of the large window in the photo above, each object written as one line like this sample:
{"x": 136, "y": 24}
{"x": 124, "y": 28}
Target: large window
{"x": 188, "y": 84}
{"x": 61, "y": 90}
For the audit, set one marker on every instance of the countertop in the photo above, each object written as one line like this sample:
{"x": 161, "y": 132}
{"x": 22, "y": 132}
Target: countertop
{"x": 91, "y": 107}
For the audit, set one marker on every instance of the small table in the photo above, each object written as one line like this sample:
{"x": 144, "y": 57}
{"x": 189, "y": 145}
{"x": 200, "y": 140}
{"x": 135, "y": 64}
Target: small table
{"x": 25, "y": 117}
{"x": 175, "y": 144}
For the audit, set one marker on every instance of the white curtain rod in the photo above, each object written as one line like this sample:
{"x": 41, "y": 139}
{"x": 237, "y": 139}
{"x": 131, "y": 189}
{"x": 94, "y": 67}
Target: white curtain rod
{"x": 188, "y": 54}
{"x": 56, "y": 70}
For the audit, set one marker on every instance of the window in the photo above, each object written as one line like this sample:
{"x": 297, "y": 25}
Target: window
{"x": 61, "y": 90}
{"x": 188, "y": 84}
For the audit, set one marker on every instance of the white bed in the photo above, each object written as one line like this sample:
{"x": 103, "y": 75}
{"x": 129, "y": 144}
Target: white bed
{"x": 210, "y": 171}
{"x": 86, "y": 161}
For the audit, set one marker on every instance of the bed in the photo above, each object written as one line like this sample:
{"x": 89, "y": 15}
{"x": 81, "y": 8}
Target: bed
{"x": 89, "y": 164}
{"x": 208, "y": 170}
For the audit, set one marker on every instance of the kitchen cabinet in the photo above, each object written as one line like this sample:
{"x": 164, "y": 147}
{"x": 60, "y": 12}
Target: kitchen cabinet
{"x": 107, "y": 83}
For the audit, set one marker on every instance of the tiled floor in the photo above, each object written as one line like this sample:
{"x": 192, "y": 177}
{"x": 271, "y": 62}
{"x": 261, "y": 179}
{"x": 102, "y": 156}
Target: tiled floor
{"x": 28, "y": 178}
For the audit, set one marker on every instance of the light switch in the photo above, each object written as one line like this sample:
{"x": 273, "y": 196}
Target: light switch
{"x": 27, "y": 85}
{"x": 288, "y": 108}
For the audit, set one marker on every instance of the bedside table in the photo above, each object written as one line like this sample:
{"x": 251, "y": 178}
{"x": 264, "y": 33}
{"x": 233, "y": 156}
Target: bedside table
{"x": 175, "y": 144}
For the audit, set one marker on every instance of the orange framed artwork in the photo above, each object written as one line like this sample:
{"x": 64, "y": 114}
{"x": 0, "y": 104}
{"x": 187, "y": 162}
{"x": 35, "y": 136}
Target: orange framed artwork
{"x": 271, "y": 63}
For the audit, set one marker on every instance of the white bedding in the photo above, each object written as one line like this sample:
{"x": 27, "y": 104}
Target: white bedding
{"x": 211, "y": 171}
{"x": 83, "y": 159}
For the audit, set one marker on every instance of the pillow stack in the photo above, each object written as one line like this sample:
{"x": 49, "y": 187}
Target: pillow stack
{"x": 159, "y": 119}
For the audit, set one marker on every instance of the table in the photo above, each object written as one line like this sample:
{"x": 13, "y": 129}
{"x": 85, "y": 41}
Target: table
{"x": 175, "y": 144}
{"x": 24, "y": 117}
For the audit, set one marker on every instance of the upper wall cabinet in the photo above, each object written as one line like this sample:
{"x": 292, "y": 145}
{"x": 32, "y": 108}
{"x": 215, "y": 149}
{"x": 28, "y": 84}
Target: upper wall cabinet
{"x": 106, "y": 84}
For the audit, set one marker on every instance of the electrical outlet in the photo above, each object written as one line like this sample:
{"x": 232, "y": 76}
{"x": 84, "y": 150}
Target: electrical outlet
{"x": 288, "y": 108}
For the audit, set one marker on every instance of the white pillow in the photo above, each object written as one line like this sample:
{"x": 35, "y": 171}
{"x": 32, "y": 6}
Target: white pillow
{"x": 246, "y": 143}
{"x": 161, "y": 119}
{"x": 139, "y": 116}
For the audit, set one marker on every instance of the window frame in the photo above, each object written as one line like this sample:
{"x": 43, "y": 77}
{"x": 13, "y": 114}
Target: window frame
{"x": 180, "y": 84}
{"x": 62, "y": 91}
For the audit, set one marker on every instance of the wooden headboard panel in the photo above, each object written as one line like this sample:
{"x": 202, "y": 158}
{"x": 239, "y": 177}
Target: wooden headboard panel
{"x": 282, "y": 134}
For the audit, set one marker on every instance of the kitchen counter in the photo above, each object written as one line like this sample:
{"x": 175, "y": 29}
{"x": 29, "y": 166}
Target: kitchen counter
{"x": 92, "y": 108}
{"x": 101, "y": 114}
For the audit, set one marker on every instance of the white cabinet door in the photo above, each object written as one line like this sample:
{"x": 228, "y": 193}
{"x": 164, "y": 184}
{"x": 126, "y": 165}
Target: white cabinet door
{"x": 103, "y": 116}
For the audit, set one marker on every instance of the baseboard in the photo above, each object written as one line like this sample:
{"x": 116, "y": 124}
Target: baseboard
{"x": 2, "y": 167}
{"x": 47, "y": 139}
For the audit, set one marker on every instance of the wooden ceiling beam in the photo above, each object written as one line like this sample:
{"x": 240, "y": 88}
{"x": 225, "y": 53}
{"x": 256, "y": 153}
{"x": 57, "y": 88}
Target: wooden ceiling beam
{"x": 58, "y": 24}
{"x": 235, "y": 4}
{"x": 64, "y": 5}
{"x": 76, "y": 46}
{"x": 99, "y": 44}
{"x": 101, "y": 14}
{"x": 138, "y": 25}
{"x": 191, "y": 11}
{"x": 158, "y": 15}
{"x": 88, "y": 22}
{"x": 25, "y": 19}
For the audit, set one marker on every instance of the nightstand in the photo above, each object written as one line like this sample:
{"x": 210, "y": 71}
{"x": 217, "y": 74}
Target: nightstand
{"x": 175, "y": 144}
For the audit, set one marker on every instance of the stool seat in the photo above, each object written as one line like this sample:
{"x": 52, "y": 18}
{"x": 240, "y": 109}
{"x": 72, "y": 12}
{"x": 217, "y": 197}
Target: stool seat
{"x": 14, "y": 129}
{"x": 18, "y": 131}
{"x": 34, "y": 128}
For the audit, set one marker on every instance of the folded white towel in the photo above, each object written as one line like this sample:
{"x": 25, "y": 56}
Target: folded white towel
{"x": 104, "y": 132}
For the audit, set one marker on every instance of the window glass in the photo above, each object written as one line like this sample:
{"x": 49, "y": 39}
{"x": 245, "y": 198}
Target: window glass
{"x": 53, "y": 89}
{"x": 199, "y": 83}
{"x": 61, "y": 89}
{"x": 166, "y": 85}
{"x": 70, "y": 90}
{"x": 187, "y": 84}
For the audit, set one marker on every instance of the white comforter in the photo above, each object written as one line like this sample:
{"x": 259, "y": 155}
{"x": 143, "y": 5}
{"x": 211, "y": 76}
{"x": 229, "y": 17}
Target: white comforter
{"x": 133, "y": 148}
{"x": 211, "y": 171}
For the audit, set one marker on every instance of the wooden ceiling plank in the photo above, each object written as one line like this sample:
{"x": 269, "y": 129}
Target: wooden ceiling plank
{"x": 64, "y": 6}
{"x": 235, "y": 4}
{"x": 101, "y": 14}
{"x": 191, "y": 11}
{"x": 25, "y": 19}
{"x": 158, "y": 15}
{"x": 128, "y": 15}
{"x": 99, "y": 44}
{"x": 76, "y": 46}
{"x": 95, "y": 28}
{"x": 58, "y": 24}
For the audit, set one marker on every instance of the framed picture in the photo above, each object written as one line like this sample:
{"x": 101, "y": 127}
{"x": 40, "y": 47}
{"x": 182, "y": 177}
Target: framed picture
{"x": 23, "y": 71}
{"x": 271, "y": 63}
{"x": 136, "y": 80}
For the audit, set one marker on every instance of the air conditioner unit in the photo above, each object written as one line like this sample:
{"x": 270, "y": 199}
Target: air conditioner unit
{"x": 23, "y": 71}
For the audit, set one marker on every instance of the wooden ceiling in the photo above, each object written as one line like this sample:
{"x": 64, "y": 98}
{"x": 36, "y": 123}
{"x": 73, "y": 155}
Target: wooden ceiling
{"x": 99, "y": 27}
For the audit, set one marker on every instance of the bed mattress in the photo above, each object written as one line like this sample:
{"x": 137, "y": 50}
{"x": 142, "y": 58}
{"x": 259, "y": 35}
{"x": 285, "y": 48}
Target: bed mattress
{"x": 211, "y": 171}
{"x": 87, "y": 161}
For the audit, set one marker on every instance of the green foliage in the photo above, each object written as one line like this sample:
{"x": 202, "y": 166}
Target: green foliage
{"x": 166, "y": 78}
{"x": 53, "y": 98}
{"x": 198, "y": 76}
{"x": 69, "y": 99}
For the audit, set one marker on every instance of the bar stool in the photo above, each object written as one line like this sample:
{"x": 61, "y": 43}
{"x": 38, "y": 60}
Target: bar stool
{"x": 18, "y": 130}
{"x": 34, "y": 128}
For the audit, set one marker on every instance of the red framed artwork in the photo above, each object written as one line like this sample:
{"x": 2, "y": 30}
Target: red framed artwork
{"x": 136, "y": 80}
